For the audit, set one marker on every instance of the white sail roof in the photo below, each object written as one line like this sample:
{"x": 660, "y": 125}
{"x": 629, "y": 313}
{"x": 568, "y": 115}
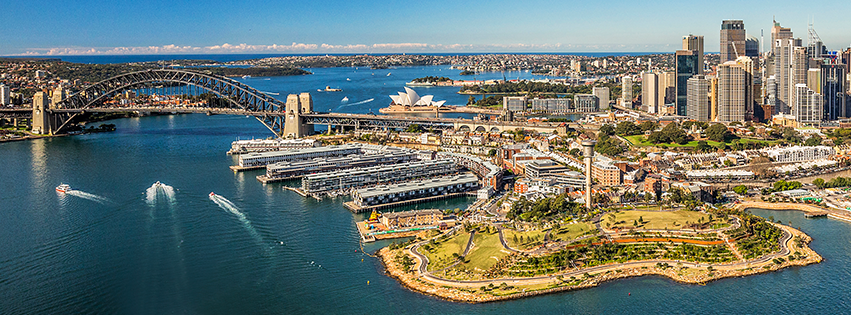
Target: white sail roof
{"x": 411, "y": 98}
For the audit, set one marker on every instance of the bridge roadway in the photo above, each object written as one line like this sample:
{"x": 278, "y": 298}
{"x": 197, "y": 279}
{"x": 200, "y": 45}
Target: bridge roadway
{"x": 331, "y": 119}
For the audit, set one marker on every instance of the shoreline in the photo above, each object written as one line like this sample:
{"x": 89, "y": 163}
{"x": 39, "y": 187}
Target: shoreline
{"x": 682, "y": 272}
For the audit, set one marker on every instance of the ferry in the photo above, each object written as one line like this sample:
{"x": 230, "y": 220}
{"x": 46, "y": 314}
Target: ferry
{"x": 63, "y": 188}
{"x": 329, "y": 89}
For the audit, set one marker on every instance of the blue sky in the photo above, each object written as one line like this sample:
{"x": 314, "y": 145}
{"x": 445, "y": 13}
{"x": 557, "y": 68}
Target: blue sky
{"x": 384, "y": 26}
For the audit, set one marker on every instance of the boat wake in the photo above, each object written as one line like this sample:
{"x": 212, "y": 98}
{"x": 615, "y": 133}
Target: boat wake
{"x": 157, "y": 189}
{"x": 228, "y": 206}
{"x": 358, "y": 103}
{"x": 88, "y": 196}
{"x": 355, "y": 103}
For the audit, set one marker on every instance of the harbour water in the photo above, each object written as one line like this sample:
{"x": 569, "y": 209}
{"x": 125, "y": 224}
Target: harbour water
{"x": 262, "y": 249}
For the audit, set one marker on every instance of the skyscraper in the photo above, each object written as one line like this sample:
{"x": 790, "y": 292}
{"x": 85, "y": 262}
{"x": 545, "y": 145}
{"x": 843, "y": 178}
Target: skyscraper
{"x": 602, "y": 94}
{"x": 5, "y": 93}
{"x": 784, "y": 74}
{"x": 698, "y": 98}
{"x": 751, "y": 46}
{"x": 695, "y": 42}
{"x": 687, "y": 66}
{"x": 833, "y": 89}
{"x": 626, "y": 91}
{"x": 732, "y": 40}
{"x": 735, "y": 96}
{"x": 808, "y": 105}
{"x": 778, "y": 32}
{"x": 650, "y": 92}
{"x": 713, "y": 98}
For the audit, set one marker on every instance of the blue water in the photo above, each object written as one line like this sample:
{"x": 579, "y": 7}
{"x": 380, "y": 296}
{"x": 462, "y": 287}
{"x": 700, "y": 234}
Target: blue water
{"x": 105, "y": 59}
{"x": 286, "y": 254}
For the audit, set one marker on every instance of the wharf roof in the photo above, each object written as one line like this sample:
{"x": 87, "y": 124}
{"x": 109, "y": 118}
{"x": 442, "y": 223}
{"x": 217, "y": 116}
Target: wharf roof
{"x": 330, "y": 148}
{"x": 416, "y": 185}
{"x": 376, "y": 169}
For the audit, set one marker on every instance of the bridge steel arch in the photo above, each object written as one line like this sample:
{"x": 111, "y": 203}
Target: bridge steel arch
{"x": 268, "y": 110}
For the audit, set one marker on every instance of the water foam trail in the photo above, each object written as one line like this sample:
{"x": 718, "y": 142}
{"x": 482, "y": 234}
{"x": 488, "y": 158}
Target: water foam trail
{"x": 228, "y": 206}
{"x": 88, "y": 196}
{"x": 358, "y": 103}
{"x": 151, "y": 195}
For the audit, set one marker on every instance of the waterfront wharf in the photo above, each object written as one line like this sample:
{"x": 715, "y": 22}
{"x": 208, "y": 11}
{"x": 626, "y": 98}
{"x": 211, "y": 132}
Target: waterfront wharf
{"x": 353, "y": 207}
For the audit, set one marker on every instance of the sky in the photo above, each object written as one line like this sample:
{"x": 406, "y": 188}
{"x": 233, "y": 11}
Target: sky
{"x": 84, "y": 27}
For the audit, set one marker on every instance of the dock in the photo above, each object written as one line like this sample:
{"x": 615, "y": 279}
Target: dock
{"x": 300, "y": 192}
{"x": 353, "y": 207}
{"x": 237, "y": 168}
{"x": 266, "y": 179}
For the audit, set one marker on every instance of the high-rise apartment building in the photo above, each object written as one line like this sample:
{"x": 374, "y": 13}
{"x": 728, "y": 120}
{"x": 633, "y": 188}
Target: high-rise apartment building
{"x": 833, "y": 80}
{"x": 602, "y": 94}
{"x": 695, "y": 42}
{"x": 713, "y": 98}
{"x": 626, "y": 91}
{"x": 732, "y": 40}
{"x": 785, "y": 72}
{"x": 5, "y": 94}
{"x": 698, "y": 98}
{"x": 808, "y": 105}
{"x": 650, "y": 92}
{"x": 735, "y": 96}
{"x": 686, "y": 66}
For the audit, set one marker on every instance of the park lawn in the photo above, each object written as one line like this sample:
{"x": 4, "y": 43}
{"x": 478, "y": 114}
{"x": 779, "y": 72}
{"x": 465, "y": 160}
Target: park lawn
{"x": 653, "y": 220}
{"x": 487, "y": 251}
{"x": 572, "y": 231}
{"x": 530, "y": 238}
{"x": 441, "y": 255}
{"x": 641, "y": 141}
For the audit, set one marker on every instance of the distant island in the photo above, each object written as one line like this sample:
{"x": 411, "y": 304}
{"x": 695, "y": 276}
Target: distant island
{"x": 467, "y": 72}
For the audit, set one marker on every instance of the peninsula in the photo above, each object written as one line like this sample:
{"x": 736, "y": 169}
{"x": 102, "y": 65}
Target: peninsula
{"x": 491, "y": 262}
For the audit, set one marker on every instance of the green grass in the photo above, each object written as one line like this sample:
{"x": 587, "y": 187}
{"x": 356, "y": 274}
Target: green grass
{"x": 440, "y": 255}
{"x": 641, "y": 141}
{"x": 530, "y": 238}
{"x": 653, "y": 220}
{"x": 572, "y": 231}
{"x": 487, "y": 251}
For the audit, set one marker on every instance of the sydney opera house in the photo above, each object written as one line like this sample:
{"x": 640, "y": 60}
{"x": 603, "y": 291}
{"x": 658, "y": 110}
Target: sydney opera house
{"x": 410, "y": 98}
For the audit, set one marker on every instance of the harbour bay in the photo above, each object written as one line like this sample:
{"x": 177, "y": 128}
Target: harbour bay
{"x": 122, "y": 255}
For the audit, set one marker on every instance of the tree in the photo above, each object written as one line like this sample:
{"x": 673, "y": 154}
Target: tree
{"x": 813, "y": 141}
{"x": 627, "y": 128}
{"x": 718, "y": 133}
{"x": 471, "y": 100}
{"x": 607, "y": 130}
{"x": 414, "y": 128}
{"x": 818, "y": 182}
{"x": 648, "y": 126}
{"x": 702, "y": 146}
{"x": 491, "y": 152}
{"x": 741, "y": 189}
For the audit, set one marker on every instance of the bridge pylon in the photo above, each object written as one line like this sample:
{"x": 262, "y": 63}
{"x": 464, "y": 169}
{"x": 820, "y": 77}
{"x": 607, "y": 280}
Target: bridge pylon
{"x": 42, "y": 118}
{"x": 294, "y": 126}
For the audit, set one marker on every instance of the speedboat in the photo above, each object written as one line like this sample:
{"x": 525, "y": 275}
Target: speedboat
{"x": 63, "y": 188}
{"x": 246, "y": 77}
{"x": 212, "y": 194}
{"x": 345, "y": 99}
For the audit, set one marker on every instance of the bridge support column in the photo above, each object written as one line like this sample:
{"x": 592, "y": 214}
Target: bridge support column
{"x": 41, "y": 121}
{"x": 292, "y": 125}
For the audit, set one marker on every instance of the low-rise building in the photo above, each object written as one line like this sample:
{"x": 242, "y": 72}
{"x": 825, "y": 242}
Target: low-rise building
{"x": 414, "y": 190}
{"x": 412, "y": 218}
{"x": 606, "y": 174}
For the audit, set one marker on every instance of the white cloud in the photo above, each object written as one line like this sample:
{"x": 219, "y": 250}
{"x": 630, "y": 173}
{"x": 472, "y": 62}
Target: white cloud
{"x": 331, "y": 48}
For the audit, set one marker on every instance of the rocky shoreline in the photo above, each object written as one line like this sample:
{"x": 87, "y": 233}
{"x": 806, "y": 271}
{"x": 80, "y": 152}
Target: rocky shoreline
{"x": 688, "y": 275}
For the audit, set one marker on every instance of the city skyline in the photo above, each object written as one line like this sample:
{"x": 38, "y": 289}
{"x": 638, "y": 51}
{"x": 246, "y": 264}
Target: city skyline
{"x": 61, "y": 28}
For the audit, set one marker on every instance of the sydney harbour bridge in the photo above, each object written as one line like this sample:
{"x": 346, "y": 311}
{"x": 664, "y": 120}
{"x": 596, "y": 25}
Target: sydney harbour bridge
{"x": 293, "y": 118}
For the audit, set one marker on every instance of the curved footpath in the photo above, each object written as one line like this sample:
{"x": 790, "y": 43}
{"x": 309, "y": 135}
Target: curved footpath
{"x": 465, "y": 290}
